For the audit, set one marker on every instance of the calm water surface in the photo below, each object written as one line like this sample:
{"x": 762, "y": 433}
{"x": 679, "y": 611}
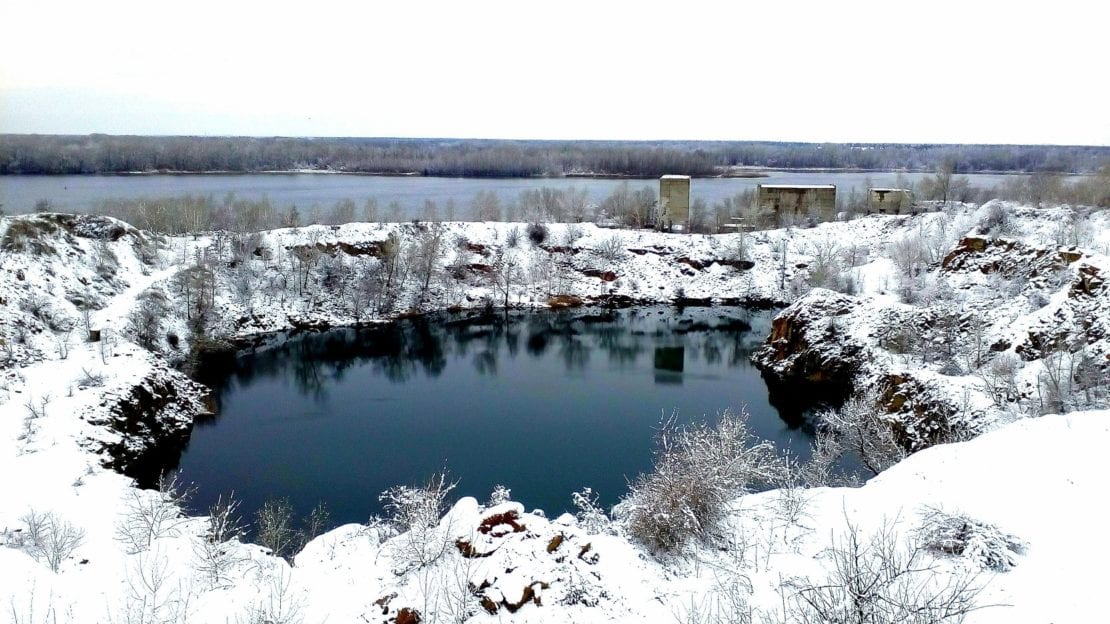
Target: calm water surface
{"x": 544, "y": 403}
{"x": 83, "y": 193}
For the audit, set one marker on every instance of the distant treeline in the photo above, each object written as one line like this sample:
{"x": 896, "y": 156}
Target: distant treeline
{"x": 69, "y": 154}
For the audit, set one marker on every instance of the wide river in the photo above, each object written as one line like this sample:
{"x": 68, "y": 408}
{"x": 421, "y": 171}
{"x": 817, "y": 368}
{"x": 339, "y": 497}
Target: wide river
{"x": 545, "y": 403}
{"x": 18, "y": 194}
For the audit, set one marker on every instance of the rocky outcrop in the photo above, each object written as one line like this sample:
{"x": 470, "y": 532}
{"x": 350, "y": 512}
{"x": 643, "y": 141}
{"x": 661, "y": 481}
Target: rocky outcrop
{"x": 809, "y": 349}
{"x": 153, "y": 420}
{"x": 922, "y": 416}
{"x": 1010, "y": 258}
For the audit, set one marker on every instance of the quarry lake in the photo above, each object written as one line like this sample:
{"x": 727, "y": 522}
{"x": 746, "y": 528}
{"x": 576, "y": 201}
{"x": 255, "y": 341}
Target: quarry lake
{"x": 544, "y": 403}
{"x": 79, "y": 193}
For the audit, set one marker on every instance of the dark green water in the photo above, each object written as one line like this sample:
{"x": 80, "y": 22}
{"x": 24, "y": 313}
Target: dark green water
{"x": 544, "y": 403}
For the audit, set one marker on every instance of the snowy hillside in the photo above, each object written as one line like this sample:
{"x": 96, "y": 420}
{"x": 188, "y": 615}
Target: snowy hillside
{"x": 964, "y": 325}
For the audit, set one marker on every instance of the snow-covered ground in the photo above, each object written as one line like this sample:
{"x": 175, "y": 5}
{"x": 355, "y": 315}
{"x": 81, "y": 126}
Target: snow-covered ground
{"x": 69, "y": 407}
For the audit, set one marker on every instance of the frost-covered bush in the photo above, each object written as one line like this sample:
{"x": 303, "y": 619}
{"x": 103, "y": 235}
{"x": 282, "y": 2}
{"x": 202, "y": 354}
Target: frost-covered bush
{"x": 698, "y": 472}
{"x": 611, "y": 249}
{"x": 144, "y": 322}
{"x": 408, "y": 506}
{"x": 591, "y": 517}
{"x": 148, "y": 516}
{"x": 861, "y": 428}
{"x": 50, "y": 539}
{"x": 996, "y": 221}
{"x": 500, "y": 495}
{"x": 275, "y": 527}
{"x": 414, "y": 513}
{"x": 29, "y": 235}
{"x": 881, "y": 579}
{"x": 572, "y": 234}
{"x": 960, "y": 535}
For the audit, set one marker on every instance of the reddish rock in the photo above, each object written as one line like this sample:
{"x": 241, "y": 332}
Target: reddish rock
{"x": 508, "y": 518}
{"x": 605, "y": 276}
{"x": 564, "y": 301}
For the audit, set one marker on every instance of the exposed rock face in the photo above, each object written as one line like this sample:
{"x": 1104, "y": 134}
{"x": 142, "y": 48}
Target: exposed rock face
{"x": 357, "y": 248}
{"x": 1011, "y": 258}
{"x": 808, "y": 348}
{"x": 603, "y": 275}
{"x": 152, "y": 418}
{"x": 923, "y": 420}
{"x": 1077, "y": 319}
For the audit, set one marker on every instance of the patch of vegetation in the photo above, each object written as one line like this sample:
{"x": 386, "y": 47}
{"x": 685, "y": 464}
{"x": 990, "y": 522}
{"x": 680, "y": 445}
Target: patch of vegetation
{"x": 29, "y": 236}
{"x": 698, "y": 471}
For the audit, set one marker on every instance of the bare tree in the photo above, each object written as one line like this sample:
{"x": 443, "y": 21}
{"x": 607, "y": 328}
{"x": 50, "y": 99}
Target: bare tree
{"x": 148, "y": 516}
{"x": 275, "y": 527}
{"x": 215, "y": 551}
{"x": 486, "y": 206}
{"x": 505, "y": 274}
{"x": 429, "y": 248}
{"x": 50, "y": 539}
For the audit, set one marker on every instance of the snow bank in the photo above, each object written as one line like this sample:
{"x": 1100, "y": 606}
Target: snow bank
{"x": 69, "y": 408}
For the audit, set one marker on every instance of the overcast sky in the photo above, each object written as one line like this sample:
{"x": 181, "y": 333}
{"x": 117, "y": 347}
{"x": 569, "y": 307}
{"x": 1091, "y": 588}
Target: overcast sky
{"x": 903, "y": 71}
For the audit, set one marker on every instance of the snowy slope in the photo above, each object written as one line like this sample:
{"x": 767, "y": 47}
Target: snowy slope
{"x": 69, "y": 408}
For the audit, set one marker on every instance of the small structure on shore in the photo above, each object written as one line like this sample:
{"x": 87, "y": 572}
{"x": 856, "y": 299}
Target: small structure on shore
{"x": 794, "y": 202}
{"x": 889, "y": 200}
{"x": 674, "y": 201}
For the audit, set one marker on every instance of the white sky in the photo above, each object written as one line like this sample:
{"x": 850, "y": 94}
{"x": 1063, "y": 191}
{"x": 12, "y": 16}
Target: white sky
{"x": 898, "y": 71}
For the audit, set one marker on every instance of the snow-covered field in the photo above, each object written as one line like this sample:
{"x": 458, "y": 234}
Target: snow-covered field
{"x": 959, "y": 321}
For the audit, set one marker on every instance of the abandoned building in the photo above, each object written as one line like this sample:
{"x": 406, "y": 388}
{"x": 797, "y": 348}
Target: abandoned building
{"x": 889, "y": 200}
{"x": 674, "y": 201}
{"x": 795, "y": 202}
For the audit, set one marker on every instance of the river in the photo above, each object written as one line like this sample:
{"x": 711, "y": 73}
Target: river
{"x": 18, "y": 194}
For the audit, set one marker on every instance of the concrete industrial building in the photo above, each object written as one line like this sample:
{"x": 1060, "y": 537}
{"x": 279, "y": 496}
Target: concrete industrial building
{"x": 674, "y": 201}
{"x": 794, "y": 202}
{"x": 889, "y": 200}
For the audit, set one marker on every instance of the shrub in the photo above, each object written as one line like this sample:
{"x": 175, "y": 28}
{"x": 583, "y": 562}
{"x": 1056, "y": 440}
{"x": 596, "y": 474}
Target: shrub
{"x": 28, "y": 235}
{"x": 90, "y": 379}
{"x": 611, "y": 249}
{"x": 277, "y": 530}
{"x": 591, "y": 517}
{"x": 861, "y": 429}
{"x": 996, "y": 222}
{"x": 275, "y": 526}
{"x": 499, "y": 495}
{"x": 414, "y": 513}
{"x": 878, "y": 579}
{"x": 408, "y": 506}
{"x": 698, "y": 471}
{"x": 572, "y": 234}
{"x": 537, "y": 233}
{"x": 148, "y": 516}
{"x": 50, "y": 539}
{"x": 960, "y": 535}
{"x": 215, "y": 555}
{"x": 145, "y": 320}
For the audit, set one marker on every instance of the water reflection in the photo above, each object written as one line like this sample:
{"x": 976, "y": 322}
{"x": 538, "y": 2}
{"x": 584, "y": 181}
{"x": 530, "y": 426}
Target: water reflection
{"x": 312, "y": 363}
{"x": 545, "y": 403}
